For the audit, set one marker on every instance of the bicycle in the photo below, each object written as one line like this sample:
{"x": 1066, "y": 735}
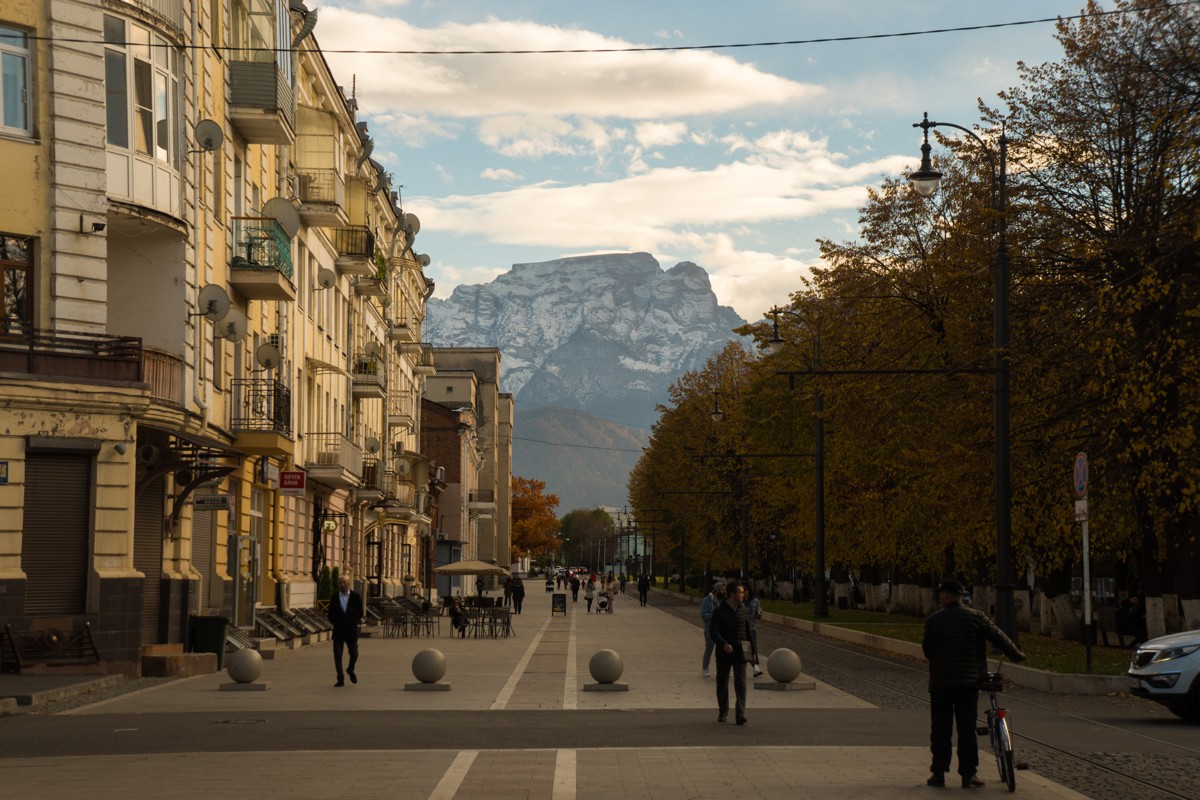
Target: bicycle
{"x": 997, "y": 728}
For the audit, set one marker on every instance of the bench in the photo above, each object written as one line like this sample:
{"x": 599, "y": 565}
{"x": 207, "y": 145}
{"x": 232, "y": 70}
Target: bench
{"x": 48, "y": 647}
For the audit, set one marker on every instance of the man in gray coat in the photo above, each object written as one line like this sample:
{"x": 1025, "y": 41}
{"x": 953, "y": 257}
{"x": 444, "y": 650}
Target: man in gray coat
{"x": 955, "y": 644}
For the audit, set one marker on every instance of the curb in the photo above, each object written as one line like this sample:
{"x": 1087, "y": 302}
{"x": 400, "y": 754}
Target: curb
{"x": 1052, "y": 682}
{"x": 70, "y": 690}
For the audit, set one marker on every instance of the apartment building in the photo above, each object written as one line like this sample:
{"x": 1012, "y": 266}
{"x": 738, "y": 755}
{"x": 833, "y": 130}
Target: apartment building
{"x": 211, "y": 366}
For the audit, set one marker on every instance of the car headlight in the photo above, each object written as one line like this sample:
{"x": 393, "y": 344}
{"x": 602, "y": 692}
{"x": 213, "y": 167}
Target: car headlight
{"x": 1175, "y": 652}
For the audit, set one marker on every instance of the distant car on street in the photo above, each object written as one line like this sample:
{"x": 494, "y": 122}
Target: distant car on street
{"x": 1167, "y": 670}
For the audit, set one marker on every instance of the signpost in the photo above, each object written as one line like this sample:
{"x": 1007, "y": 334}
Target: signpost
{"x": 213, "y": 502}
{"x": 291, "y": 482}
{"x": 1080, "y": 479}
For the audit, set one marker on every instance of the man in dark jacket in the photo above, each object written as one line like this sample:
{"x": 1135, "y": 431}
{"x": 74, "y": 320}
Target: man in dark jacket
{"x": 345, "y": 612}
{"x": 643, "y": 588}
{"x": 735, "y": 647}
{"x": 955, "y": 644}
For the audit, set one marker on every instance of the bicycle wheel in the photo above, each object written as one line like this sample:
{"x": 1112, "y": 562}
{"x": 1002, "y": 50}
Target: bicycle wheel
{"x": 1004, "y": 755}
{"x": 1011, "y": 778}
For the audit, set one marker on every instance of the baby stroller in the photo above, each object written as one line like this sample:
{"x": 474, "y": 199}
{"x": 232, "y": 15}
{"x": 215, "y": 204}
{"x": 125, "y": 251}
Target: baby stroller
{"x": 549, "y": 585}
{"x": 603, "y": 605}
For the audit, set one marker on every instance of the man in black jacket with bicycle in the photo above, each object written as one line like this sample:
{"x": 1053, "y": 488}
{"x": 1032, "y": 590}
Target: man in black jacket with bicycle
{"x": 955, "y": 644}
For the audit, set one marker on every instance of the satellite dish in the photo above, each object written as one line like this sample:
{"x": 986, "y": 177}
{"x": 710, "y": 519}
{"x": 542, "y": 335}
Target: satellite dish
{"x": 209, "y": 135}
{"x": 326, "y": 278}
{"x": 372, "y": 445}
{"x": 403, "y": 467}
{"x": 412, "y": 224}
{"x": 423, "y": 260}
{"x": 373, "y": 350}
{"x": 282, "y": 211}
{"x": 233, "y": 327}
{"x": 214, "y": 303}
{"x": 268, "y": 356}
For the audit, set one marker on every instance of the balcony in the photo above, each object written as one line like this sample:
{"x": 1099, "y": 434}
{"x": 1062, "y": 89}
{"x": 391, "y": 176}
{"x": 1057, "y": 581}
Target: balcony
{"x": 322, "y": 194}
{"x": 369, "y": 379}
{"x": 261, "y": 268}
{"x": 169, "y": 11}
{"x": 164, "y": 373}
{"x": 84, "y": 356}
{"x": 424, "y": 365}
{"x": 399, "y": 412}
{"x": 262, "y": 417}
{"x": 355, "y": 247}
{"x": 397, "y": 505}
{"x": 334, "y": 460}
{"x": 261, "y": 102}
{"x": 403, "y": 332}
{"x": 371, "y": 287}
{"x": 375, "y": 481}
{"x": 481, "y": 500}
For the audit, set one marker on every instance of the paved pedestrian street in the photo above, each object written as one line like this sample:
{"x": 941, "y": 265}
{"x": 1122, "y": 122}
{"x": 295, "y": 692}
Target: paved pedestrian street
{"x": 518, "y": 706}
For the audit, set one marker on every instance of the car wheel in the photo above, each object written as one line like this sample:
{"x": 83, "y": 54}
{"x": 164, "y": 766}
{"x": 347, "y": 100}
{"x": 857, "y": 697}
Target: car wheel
{"x": 1185, "y": 710}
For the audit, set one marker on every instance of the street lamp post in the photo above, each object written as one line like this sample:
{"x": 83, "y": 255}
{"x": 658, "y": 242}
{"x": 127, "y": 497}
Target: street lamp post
{"x": 925, "y": 182}
{"x": 776, "y": 344}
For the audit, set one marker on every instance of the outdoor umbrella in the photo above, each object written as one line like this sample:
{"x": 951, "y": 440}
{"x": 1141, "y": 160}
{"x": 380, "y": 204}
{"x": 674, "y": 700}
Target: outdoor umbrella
{"x": 470, "y": 567}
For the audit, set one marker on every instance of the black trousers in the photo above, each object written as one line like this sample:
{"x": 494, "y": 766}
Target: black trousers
{"x": 349, "y": 642}
{"x": 949, "y": 709}
{"x": 642, "y": 595}
{"x": 726, "y": 663}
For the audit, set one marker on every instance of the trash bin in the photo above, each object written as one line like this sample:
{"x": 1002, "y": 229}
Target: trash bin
{"x": 207, "y": 635}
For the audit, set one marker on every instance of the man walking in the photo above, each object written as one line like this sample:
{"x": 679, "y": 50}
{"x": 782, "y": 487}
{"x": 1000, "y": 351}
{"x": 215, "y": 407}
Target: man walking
{"x": 735, "y": 648}
{"x": 643, "y": 588}
{"x": 707, "y": 606}
{"x": 955, "y": 644}
{"x": 345, "y": 613}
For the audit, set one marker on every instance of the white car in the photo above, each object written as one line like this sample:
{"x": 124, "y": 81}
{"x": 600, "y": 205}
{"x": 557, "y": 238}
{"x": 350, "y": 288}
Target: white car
{"x": 1167, "y": 670}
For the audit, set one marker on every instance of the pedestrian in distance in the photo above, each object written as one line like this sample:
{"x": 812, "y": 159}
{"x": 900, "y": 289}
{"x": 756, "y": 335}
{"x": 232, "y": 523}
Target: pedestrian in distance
{"x": 955, "y": 644}
{"x": 589, "y": 594}
{"x": 643, "y": 588}
{"x": 517, "y": 591}
{"x": 345, "y": 614}
{"x": 622, "y": 583}
{"x": 508, "y": 588}
{"x": 458, "y": 618}
{"x": 707, "y": 606}
{"x": 753, "y": 612}
{"x": 574, "y": 588}
{"x": 735, "y": 648}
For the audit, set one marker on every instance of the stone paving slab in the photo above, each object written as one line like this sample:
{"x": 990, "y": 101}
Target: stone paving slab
{"x": 700, "y": 773}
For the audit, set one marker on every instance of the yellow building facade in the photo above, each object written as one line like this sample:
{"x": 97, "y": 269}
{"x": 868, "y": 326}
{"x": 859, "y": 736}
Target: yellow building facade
{"x": 211, "y": 365}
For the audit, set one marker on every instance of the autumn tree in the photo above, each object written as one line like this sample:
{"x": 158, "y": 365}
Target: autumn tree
{"x": 534, "y": 523}
{"x": 581, "y": 529}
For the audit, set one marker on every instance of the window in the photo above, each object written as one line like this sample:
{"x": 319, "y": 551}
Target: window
{"x": 16, "y": 282}
{"x": 15, "y": 75}
{"x": 141, "y": 82}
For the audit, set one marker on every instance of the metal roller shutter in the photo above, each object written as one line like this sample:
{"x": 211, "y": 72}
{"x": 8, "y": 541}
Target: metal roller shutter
{"x": 204, "y": 526}
{"x": 55, "y": 547}
{"x": 147, "y": 555}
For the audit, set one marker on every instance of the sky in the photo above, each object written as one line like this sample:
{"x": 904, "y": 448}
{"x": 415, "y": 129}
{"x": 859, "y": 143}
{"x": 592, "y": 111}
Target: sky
{"x": 737, "y": 159}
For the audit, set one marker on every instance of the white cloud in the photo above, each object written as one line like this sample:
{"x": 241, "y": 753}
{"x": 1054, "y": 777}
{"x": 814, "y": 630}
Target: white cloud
{"x": 659, "y": 134}
{"x": 493, "y": 174}
{"x": 414, "y": 130}
{"x": 639, "y": 85}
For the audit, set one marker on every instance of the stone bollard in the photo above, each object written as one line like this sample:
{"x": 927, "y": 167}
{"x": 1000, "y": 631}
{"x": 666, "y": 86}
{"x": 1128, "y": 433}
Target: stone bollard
{"x": 428, "y": 666}
{"x": 783, "y": 666}
{"x": 245, "y": 667}
{"x": 606, "y": 666}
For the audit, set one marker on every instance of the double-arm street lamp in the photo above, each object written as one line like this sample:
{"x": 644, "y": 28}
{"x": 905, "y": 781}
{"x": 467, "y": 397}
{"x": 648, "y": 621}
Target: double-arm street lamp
{"x": 776, "y": 344}
{"x": 925, "y": 182}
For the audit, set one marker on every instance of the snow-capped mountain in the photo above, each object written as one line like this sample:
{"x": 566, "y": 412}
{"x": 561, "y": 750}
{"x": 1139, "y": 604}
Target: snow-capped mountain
{"x": 588, "y": 346}
{"x": 603, "y": 333}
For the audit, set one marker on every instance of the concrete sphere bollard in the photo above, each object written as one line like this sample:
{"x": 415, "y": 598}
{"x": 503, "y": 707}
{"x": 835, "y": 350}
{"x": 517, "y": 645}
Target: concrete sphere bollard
{"x": 783, "y": 665}
{"x": 245, "y": 666}
{"x": 429, "y": 666}
{"x": 606, "y": 666}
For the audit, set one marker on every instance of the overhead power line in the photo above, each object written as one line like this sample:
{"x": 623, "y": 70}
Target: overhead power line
{"x": 639, "y": 48}
{"x": 581, "y": 446}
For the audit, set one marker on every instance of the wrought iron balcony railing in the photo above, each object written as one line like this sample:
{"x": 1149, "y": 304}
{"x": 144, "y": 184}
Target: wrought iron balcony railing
{"x": 355, "y": 240}
{"x": 34, "y": 351}
{"x": 260, "y": 243}
{"x": 261, "y": 404}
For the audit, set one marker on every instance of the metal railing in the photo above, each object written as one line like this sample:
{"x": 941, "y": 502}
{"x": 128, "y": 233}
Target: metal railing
{"x": 35, "y": 351}
{"x": 261, "y": 243}
{"x": 356, "y": 240}
{"x": 164, "y": 373}
{"x": 320, "y": 185}
{"x": 167, "y": 10}
{"x": 332, "y": 450}
{"x": 261, "y": 404}
{"x": 481, "y": 496}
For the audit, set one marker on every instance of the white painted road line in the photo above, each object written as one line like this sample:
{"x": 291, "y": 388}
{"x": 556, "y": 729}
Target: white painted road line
{"x": 511, "y": 686}
{"x": 448, "y": 786}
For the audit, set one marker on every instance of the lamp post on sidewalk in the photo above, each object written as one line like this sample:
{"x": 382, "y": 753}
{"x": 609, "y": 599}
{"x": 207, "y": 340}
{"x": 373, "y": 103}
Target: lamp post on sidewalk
{"x": 925, "y": 182}
{"x": 776, "y": 344}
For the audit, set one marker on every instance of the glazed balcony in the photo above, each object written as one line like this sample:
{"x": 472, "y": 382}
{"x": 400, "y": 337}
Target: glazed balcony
{"x": 262, "y": 417}
{"x": 355, "y": 246}
{"x": 322, "y": 194}
{"x": 262, "y": 105}
{"x": 261, "y": 267}
{"x": 333, "y": 460}
{"x": 83, "y": 357}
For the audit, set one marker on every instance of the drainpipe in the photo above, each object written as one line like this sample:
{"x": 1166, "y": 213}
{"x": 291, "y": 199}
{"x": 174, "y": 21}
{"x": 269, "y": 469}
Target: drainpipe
{"x": 277, "y": 575}
{"x": 198, "y": 369}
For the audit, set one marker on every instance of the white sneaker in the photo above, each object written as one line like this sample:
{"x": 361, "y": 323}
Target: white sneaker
{"x": 707, "y": 674}
{"x": 757, "y": 672}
